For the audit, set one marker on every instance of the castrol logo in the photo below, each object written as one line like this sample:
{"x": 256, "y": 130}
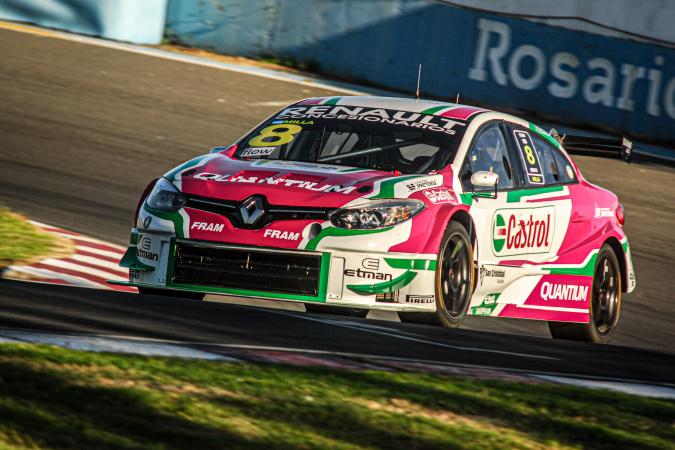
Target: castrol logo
{"x": 523, "y": 231}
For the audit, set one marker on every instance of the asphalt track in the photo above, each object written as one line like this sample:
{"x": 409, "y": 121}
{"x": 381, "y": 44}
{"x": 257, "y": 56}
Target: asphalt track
{"x": 83, "y": 129}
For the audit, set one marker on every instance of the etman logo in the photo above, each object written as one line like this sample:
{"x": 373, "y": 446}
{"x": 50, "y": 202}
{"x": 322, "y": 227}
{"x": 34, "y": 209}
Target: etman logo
{"x": 523, "y": 231}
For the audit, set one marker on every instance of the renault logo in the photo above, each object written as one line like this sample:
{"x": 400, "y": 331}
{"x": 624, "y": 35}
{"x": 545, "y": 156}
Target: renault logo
{"x": 251, "y": 210}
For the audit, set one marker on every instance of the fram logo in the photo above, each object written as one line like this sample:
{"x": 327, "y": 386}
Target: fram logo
{"x": 523, "y": 231}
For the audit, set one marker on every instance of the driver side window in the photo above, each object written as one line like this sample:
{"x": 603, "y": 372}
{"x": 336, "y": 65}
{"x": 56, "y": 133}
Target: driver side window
{"x": 489, "y": 154}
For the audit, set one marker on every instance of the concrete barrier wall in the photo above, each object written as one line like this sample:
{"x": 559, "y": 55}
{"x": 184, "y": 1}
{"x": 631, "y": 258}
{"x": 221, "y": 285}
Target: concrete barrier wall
{"x": 137, "y": 21}
{"x": 490, "y": 59}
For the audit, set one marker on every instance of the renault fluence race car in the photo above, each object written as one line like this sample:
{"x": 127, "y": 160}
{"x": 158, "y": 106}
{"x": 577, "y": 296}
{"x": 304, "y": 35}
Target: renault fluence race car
{"x": 434, "y": 210}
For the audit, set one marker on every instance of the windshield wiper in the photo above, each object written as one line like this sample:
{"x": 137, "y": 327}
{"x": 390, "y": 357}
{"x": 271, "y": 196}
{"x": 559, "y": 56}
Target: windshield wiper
{"x": 365, "y": 151}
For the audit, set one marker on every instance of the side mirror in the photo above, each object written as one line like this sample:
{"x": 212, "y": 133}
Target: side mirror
{"x": 485, "y": 179}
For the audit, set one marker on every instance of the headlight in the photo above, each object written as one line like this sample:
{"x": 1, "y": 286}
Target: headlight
{"x": 379, "y": 214}
{"x": 166, "y": 197}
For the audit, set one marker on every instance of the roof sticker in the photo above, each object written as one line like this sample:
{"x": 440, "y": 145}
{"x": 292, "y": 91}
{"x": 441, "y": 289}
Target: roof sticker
{"x": 462, "y": 112}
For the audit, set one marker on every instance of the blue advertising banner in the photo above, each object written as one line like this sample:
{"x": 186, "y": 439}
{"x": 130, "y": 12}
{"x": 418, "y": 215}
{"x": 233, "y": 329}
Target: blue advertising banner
{"x": 496, "y": 61}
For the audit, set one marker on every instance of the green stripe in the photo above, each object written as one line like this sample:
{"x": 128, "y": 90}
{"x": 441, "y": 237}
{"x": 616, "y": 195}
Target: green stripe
{"x": 339, "y": 232}
{"x": 174, "y": 217}
{"x": 434, "y": 110}
{"x": 171, "y": 175}
{"x": 588, "y": 270}
{"x": 333, "y": 101}
{"x": 387, "y": 186}
{"x": 411, "y": 264}
{"x": 517, "y": 196}
{"x": 386, "y": 287}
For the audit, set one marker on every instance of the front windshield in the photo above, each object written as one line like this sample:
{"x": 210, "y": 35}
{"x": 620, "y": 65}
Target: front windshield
{"x": 393, "y": 141}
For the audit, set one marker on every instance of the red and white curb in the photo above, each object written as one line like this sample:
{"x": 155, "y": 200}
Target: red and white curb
{"x": 90, "y": 266}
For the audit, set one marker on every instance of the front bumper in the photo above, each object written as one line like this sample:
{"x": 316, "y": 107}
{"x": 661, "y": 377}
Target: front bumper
{"x": 389, "y": 281}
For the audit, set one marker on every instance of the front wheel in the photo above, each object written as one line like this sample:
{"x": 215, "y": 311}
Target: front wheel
{"x": 605, "y": 304}
{"x": 454, "y": 280}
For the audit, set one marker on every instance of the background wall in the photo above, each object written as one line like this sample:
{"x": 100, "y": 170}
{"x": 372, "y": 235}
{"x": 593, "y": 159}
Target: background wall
{"x": 489, "y": 59}
{"x": 137, "y": 21}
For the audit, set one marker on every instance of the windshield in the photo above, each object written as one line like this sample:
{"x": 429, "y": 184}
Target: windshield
{"x": 393, "y": 141}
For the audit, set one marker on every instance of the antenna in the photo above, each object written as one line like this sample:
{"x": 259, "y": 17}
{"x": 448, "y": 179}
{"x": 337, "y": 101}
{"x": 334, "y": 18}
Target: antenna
{"x": 419, "y": 75}
{"x": 457, "y": 101}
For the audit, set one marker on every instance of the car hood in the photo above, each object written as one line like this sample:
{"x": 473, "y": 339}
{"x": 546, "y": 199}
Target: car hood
{"x": 289, "y": 182}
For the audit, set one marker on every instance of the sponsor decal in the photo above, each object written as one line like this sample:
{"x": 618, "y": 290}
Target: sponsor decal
{"x": 145, "y": 243}
{"x": 294, "y": 122}
{"x": 401, "y": 118}
{"x": 602, "y": 212}
{"x": 492, "y": 273}
{"x": 293, "y": 165}
{"x": 278, "y": 234}
{"x": 147, "y": 222}
{"x": 257, "y": 151}
{"x": 487, "y": 307}
{"x": 358, "y": 273}
{"x": 570, "y": 172}
{"x": 419, "y": 299}
{"x": 134, "y": 274}
{"x": 521, "y": 231}
{"x": 148, "y": 255}
{"x": 439, "y": 196}
{"x": 490, "y": 299}
{"x": 279, "y": 181}
{"x": 571, "y": 292}
{"x": 371, "y": 263}
{"x": 206, "y": 226}
{"x": 421, "y": 184}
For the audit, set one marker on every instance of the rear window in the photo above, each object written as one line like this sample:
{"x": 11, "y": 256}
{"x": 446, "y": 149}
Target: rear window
{"x": 387, "y": 140}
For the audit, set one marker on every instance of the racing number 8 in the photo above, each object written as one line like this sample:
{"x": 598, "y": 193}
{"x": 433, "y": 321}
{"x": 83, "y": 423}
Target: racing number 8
{"x": 276, "y": 135}
{"x": 530, "y": 155}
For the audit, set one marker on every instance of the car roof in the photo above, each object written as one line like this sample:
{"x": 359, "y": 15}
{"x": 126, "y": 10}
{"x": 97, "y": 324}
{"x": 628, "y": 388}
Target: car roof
{"x": 436, "y": 108}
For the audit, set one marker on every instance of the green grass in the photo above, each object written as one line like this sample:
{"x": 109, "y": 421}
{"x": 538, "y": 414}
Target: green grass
{"x": 21, "y": 241}
{"x": 56, "y": 398}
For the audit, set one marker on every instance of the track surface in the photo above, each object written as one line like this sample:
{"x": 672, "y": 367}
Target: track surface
{"x": 84, "y": 128}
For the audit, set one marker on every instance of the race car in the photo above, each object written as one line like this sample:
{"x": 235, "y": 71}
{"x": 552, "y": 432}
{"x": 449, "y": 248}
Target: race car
{"x": 434, "y": 210}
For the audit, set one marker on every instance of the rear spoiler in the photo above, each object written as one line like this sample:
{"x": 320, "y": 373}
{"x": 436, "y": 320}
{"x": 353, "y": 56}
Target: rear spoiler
{"x": 594, "y": 146}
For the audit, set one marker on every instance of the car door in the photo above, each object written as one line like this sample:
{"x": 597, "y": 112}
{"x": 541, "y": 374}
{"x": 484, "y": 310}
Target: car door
{"x": 520, "y": 224}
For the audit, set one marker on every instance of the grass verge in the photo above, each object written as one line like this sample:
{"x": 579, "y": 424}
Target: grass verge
{"x": 22, "y": 243}
{"x": 56, "y": 398}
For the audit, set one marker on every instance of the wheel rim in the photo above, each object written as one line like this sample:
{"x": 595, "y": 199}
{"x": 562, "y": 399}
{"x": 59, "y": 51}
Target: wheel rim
{"x": 606, "y": 295}
{"x": 455, "y": 275}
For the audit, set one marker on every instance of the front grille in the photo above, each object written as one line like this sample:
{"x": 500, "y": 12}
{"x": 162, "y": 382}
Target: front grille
{"x": 248, "y": 269}
{"x": 230, "y": 210}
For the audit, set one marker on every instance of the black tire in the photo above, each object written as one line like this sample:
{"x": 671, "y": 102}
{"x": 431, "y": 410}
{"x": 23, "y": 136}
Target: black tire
{"x": 188, "y": 295}
{"x": 336, "y": 310}
{"x": 454, "y": 280}
{"x": 605, "y": 304}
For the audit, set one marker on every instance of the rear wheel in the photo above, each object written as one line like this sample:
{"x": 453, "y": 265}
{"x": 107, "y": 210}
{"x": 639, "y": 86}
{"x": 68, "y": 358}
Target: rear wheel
{"x": 454, "y": 280}
{"x": 604, "y": 307}
{"x": 336, "y": 310}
